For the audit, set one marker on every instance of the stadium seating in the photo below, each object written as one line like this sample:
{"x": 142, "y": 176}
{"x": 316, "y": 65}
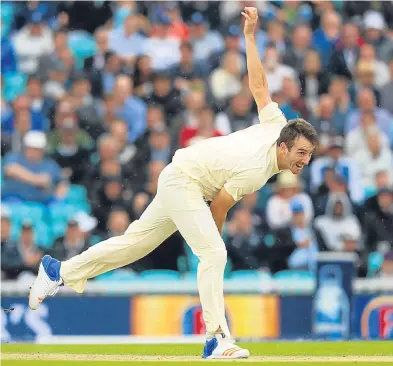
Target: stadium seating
{"x": 375, "y": 261}
{"x": 14, "y": 85}
{"x": 160, "y": 274}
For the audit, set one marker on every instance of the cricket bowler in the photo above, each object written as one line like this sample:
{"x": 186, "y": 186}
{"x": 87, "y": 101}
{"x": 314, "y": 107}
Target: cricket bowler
{"x": 219, "y": 171}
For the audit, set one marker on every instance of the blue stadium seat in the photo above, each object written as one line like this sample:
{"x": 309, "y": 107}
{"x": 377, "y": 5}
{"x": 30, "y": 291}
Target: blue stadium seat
{"x": 82, "y": 45}
{"x": 59, "y": 214}
{"x": 76, "y": 194}
{"x": 26, "y": 211}
{"x": 374, "y": 263}
{"x": 294, "y": 275}
{"x": 249, "y": 274}
{"x": 14, "y": 85}
{"x": 42, "y": 234}
{"x": 160, "y": 274}
{"x": 117, "y": 275}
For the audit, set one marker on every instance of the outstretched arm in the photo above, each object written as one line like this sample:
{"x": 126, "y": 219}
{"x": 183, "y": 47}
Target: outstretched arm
{"x": 256, "y": 74}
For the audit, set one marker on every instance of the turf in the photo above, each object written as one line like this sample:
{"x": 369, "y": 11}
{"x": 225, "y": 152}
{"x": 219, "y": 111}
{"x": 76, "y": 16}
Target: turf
{"x": 200, "y": 363}
{"x": 376, "y": 348}
{"x": 273, "y": 349}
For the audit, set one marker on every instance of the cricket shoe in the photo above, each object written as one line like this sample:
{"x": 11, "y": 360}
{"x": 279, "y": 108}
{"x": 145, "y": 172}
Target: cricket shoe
{"x": 47, "y": 282}
{"x": 221, "y": 347}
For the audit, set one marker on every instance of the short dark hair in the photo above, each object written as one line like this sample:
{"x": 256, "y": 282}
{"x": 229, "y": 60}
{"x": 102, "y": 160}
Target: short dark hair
{"x": 296, "y": 128}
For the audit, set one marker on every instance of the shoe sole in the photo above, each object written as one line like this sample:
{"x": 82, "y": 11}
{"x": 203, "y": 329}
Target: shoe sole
{"x": 31, "y": 297}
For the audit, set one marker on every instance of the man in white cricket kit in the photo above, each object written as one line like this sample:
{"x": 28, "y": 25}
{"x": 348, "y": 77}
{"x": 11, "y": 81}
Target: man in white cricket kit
{"x": 220, "y": 170}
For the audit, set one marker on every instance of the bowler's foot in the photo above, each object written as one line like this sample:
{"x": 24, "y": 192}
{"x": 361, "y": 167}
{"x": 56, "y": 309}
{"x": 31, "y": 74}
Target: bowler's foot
{"x": 47, "y": 282}
{"x": 220, "y": 347}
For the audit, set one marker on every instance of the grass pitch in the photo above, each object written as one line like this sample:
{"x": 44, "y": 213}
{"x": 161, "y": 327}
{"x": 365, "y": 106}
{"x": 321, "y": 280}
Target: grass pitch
{"x": 269, "y": 353}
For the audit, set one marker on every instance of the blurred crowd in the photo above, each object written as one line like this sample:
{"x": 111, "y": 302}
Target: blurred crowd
{"x": 100, "y": 94}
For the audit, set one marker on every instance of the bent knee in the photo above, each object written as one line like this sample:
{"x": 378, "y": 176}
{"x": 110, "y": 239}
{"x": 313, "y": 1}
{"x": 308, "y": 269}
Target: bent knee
{"x": 218, "y": 256}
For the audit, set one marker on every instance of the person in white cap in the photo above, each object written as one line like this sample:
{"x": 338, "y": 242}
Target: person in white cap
{"x": 29, "y": 175}
{"x": 195, "y": 193}
{"x": 375, "y": 26}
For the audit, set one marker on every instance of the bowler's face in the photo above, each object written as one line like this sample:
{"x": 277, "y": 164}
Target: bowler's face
{"x": 299, "y": 155}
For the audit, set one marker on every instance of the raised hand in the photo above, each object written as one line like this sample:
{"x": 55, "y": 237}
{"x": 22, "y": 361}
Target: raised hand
{"x": 251, "y": 15}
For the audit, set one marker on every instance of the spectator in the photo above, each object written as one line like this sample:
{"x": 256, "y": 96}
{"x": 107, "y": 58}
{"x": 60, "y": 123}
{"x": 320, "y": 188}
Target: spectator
{"x": 204, "y": 129}
{"x": 325, "y": 37}
{"x": 342, "y": 165}
{"x": 48, "y": 61}
{"x": 127, "y": 42}
{"x": 68, "y": 124}
{"x": 338, "y": 90}
{"x": 71, "y": 244}
{"x": 375, "y": 34}
{"x": 129, "y": 108}
{"x": 31, "y": 42}
{"x": 232, "y": 43}
{"x": 163, "y": 50}
{"x": 296, "y": 53}
{"x": 374, "y": 158}
{"x": 378, "y": 222}
{"x": 326, "y": 122}
{"x": 117, "y": 224}
{"x": 103, "y": 81}
{"x": 30, "y": 176}
{"x": 23, "y": 104}
{"x": 55, "y": 88}
{"x": 381, "y": 70}
{"x": 365, "y": 78}
{"x": 287, "y": 190}
{"x": 275, "y": 32}
{"x": 71, "y": 156}
{"x": 314, "y": 80}
{"x": 143, "y": 76}
{"x": 148, "y": 191}
{"x": 366, "y": 103}
{"x": 154, "y": 118}
{"x": 344, "y": 58}
{"x": 205, "y": 42}
{"x": 275, "y": 72}
{"x": 110, "y": 194}
{"x": 387, "y": 266}
{"x": 382, "y": 180}
{"x": 242, "y": 241}
{"x": 9, "y": 61}
{"x": 10, "y": 256}
{"x": 387, "y": 91}
{"x": 97, "y": 61}
{"x": 340, "y": 231}
{"x": 194, "y": 102}
{"x": 187, "y": 69}
{"x": 119, "y": 132}
{"x": 178, "y": 30}
{"x": 296, "y": 245}
{"x": 14, "y": 142}
{"x": 333, "y": 183}
{"x": 357, "y": 139}
{"x": 165, "y": 95}
{"x": 237, "y": 116}
{"x": 290, "y": 101}
{"x": 86, "y": 106}
{"x": 28, "y": 250}
{"x": 225, "y": 81}
{"x": 39, "y": 103}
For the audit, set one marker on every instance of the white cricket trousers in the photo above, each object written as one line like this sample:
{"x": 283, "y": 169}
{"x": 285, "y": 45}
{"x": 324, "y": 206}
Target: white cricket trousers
{"x": 178, "y": 205}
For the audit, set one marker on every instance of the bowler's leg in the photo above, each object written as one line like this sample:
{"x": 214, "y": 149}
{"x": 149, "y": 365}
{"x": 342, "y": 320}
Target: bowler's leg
{"x": 141, "y": 238}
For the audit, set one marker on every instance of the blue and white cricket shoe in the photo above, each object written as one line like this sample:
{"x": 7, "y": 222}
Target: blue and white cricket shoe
{"x": 221, "y": 347}
{"x": 47, "y": 282}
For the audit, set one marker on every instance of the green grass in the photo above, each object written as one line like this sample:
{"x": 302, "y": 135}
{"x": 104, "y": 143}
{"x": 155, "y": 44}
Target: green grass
{"x": 278, "y": 349}
{"x": 377, "y": 348}
{"x": 199, "y": 363}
